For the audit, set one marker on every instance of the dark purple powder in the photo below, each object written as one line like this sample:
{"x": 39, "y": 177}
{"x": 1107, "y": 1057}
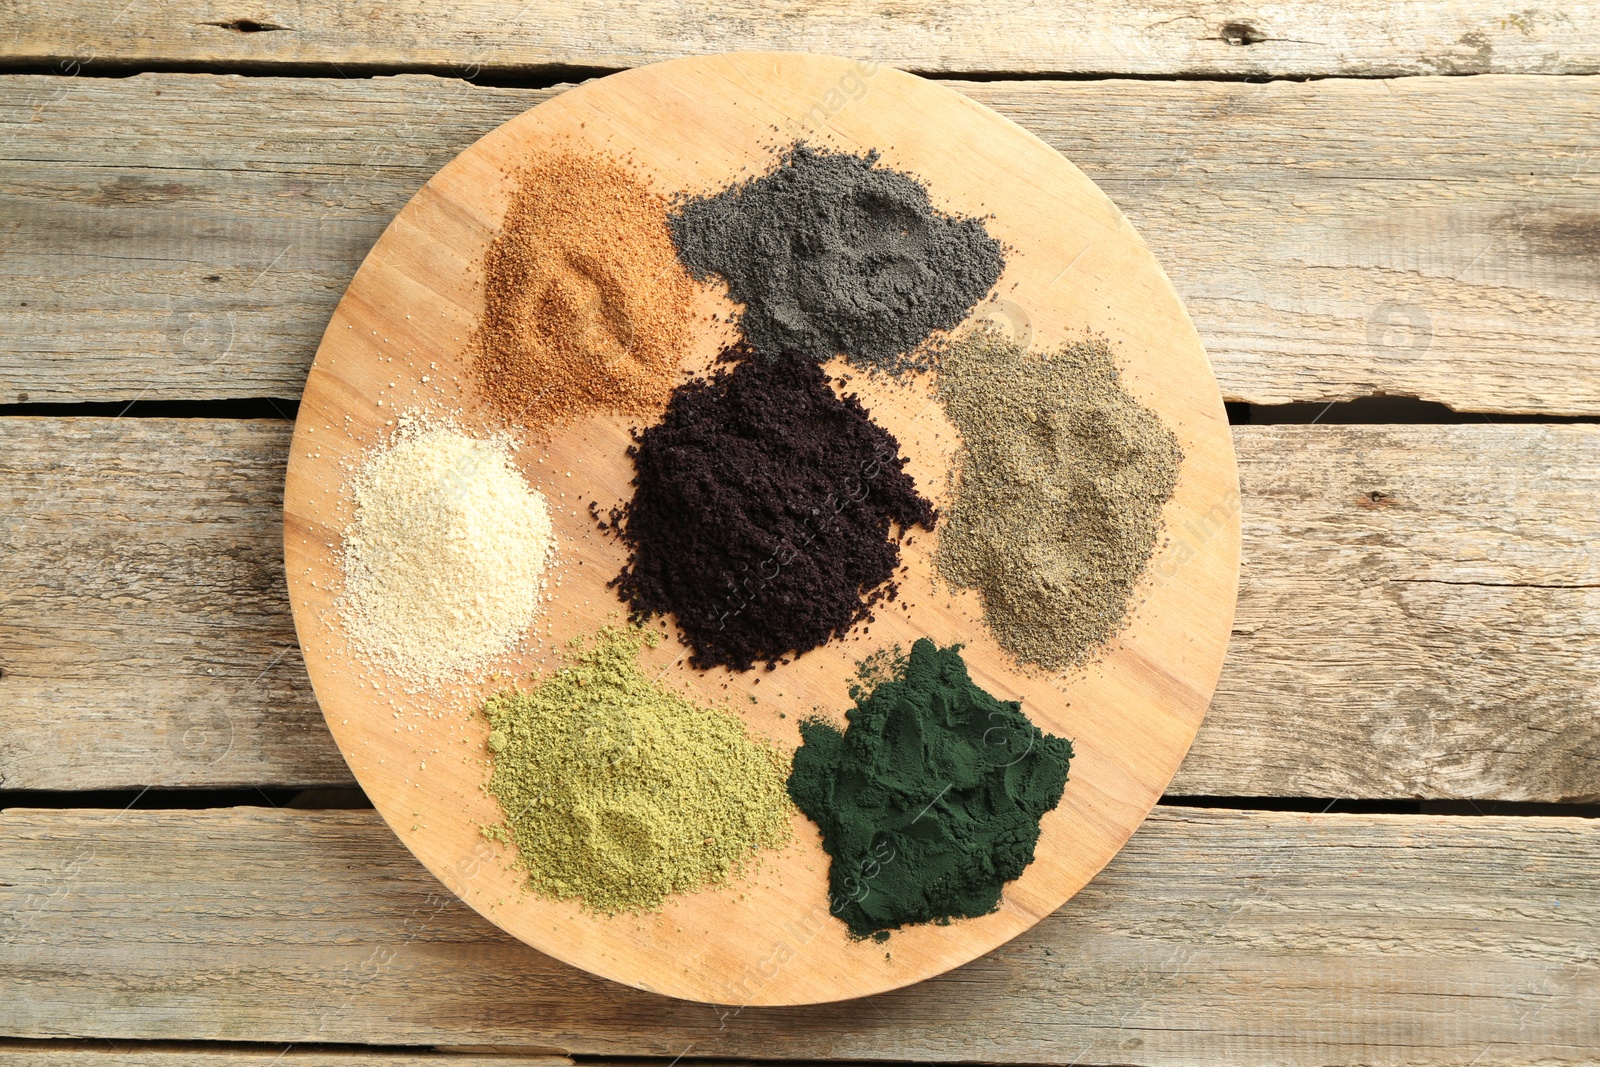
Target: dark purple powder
{"x": 764, "y": 512}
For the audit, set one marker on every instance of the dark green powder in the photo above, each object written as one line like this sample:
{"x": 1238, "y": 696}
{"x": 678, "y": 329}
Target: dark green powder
{"x": 930, "y": 801}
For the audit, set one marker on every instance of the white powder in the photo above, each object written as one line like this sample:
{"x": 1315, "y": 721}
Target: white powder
{"x": 445, "y": 561}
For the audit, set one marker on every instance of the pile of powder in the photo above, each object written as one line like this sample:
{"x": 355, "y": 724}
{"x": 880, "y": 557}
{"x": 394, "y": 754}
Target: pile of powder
{"x": 830, "y": 254}
{"x": 621, "y": 792}
{"x": 586, "y": 308}
{"x": 1062, "y": 479}
{"x": 930, "y": 800}
{"x": 445, "y": 561}
{"x": 762, "y": 512}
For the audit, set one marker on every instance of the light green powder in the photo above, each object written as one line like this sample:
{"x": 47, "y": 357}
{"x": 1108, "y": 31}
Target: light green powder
{"x": 619, "y": 791}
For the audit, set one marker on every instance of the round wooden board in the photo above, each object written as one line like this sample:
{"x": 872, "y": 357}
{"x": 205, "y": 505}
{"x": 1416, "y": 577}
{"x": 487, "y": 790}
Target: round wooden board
{"x": 1074, "y": 264}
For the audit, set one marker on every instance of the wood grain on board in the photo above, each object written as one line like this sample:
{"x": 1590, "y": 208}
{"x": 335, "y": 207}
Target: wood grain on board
{"x": 399, "y": 341}
{"x": 187, "y": 236}
{"x": 1417, "y": 616}
{"x": 1299, "y": 38}
{"x": 1248, "y": 938}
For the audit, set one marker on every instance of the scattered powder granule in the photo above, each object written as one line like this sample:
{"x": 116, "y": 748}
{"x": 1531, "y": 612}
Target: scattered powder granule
{"x": 1061, "y": 482}
{"x": 445, "y": 561}
{"x": 586, "y": 308}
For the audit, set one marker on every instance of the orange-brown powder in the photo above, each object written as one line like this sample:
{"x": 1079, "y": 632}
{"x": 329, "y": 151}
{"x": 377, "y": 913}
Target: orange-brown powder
{"x": 586, "y": 307}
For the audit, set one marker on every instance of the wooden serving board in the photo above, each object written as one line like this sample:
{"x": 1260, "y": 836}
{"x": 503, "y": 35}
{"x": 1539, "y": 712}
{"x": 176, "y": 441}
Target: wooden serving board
{"x": 1074, "y": 264}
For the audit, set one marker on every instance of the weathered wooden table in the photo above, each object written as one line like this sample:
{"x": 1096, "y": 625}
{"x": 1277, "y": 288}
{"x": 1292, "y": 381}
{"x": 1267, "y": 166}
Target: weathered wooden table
{"x": 1382, "y": 849}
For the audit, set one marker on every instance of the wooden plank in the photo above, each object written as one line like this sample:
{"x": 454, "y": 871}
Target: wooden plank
{"x": 61, "y": 1054}
{"x": 187, "y": 236}
{"x": 152, "y": 643}
{"x": 1300, "y": 38}
{"x": 1246, "y": 938}
{"x": 1419, "y": 613}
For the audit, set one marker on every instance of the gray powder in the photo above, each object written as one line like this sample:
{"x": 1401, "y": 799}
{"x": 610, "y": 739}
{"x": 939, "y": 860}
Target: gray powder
{"x": 830, "y": 254}
{"x": 1061, "y": 482}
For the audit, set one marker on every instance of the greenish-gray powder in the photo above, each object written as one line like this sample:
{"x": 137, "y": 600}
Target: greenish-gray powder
{"x": 1060, "y": 486}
